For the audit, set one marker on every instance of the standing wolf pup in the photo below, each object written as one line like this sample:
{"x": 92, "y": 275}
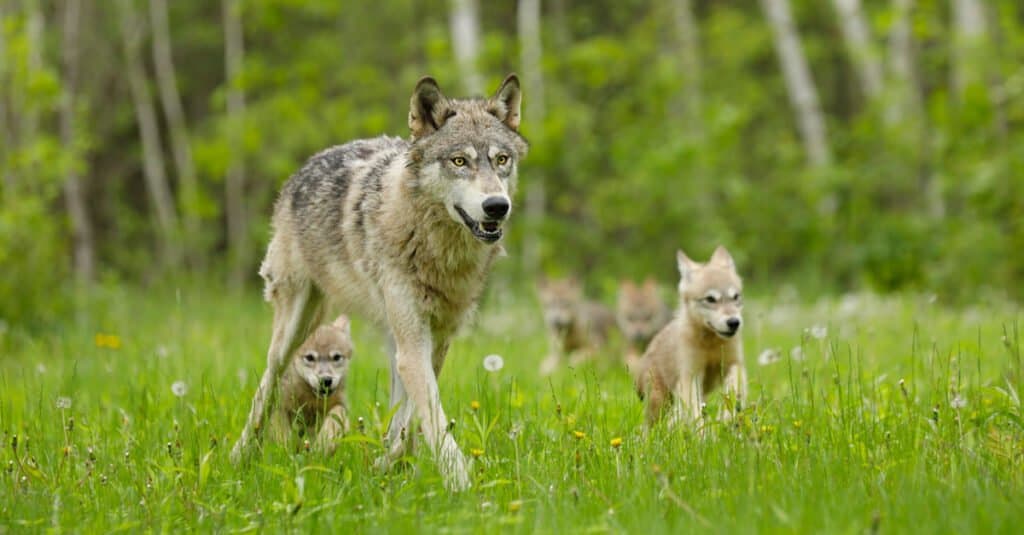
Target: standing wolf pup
{"x": 700, "y": 347}
{"x": 404, "y": 233}
{"x": 311, "y": 392}
{"x": 577, "y": 327}
{"x": 640, "y": 313}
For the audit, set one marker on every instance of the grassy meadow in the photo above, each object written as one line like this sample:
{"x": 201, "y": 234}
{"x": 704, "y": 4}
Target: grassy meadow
{"x": 892, "y": 414}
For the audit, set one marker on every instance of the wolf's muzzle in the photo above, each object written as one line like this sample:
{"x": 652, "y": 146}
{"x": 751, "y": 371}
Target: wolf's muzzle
{"x": 496, "y": 207}
{"x": 486, "y": 231}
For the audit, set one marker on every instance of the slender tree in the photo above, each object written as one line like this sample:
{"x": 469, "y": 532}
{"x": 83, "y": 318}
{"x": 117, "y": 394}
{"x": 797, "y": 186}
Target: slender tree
{"x": 170, "y": 99}
{"x": 860, "y": 46}
{"x": 465, "y": 29}
{"x": 528, "y": 18}
{"x": 74, "y": 191}
{"x": 5, "y": 136}
{"x": 902, "y": 78}
{"x": 688, "y": 37}
{"x": 803, "y": 95}
{"x": 152, "y": 156}
{"x": 234, "y": 183}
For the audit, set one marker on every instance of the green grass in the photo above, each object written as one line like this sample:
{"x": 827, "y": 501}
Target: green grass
{"x": 832, "y": 442}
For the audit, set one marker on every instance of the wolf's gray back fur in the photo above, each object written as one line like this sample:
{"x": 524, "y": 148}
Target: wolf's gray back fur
{"x": 402, "y": 232}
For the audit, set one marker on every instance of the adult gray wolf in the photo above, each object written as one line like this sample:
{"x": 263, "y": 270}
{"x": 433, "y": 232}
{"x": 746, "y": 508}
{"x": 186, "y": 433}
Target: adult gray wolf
{"x": 700, "y": 348}
{"x": 402, "y": 232}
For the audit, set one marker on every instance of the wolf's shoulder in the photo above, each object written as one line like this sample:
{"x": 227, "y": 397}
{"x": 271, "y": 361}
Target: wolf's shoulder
{"x": 330, "y": 172}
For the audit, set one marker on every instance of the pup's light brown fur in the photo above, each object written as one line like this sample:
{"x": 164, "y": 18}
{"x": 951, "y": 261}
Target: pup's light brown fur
{"x": 311, "y": 394}
{"x": 403, "y": 232}
{"x": 577, "y": 327}
{"x": 640, "y": 313}
{"x": 700, "y": 348}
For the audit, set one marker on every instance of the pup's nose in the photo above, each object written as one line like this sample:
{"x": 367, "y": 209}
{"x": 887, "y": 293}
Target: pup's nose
{"x": 732, "y": 324}
{"x": 496, "y": 207}
{"x": 326, "y": 382}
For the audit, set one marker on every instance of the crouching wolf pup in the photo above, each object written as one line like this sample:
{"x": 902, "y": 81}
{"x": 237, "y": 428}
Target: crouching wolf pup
{"x": 577, "y": 327}
{"x": 403, "y": 232}
{"x": 311, "y": 393}
{"x": 700, "y": 347}
{"x": 640, "y": 313}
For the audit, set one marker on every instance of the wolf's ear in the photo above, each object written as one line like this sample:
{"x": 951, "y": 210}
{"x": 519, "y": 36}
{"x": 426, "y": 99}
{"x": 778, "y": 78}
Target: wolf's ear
{"x": 685, "y": 265}
{"x": 649, "y": 284}
{"x": 722, "y": 258}
{"x": 344, "y": 324}
{"x": 428, "y": 108}
{"x": 506, "y": 102}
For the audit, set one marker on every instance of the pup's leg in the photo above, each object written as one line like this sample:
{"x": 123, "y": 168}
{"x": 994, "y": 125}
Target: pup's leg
{"x": 295, "y": 311}
{"x": 554, "y": 358}
{"x": 688, "y": 397}
{"x": 735, "y": 389}
{"x": 657, "y": 395}
{"x": 415, "y": 368}
{"x": 334, "y": 427}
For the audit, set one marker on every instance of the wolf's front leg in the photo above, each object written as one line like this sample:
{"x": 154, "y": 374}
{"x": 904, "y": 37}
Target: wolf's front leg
{"x": 689, "y": 398}
{"x": 735, "y": 390}
{"x": 415, "y": 368}
{"x": 334, "y": 427}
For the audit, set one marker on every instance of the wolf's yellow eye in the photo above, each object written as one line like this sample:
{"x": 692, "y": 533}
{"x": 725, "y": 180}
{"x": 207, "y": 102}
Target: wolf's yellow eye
{"x": 502, "y": 159}
{"x": 459, "y": 161}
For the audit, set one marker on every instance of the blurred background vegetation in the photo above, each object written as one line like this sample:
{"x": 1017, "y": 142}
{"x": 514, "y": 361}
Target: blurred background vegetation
{"x": 831, "y": 145}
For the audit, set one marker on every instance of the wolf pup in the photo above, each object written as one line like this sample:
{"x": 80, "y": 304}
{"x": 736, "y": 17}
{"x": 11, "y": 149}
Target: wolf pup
{"x": 403, "y": 232}
{"x": 640, "y": 313}
{"x": 311, "y": 392}
{"x": 700, "y": 347}
{"x": 576, "y": 326}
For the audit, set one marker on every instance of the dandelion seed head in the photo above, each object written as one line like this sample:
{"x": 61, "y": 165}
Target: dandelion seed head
{"x": 179, "y": 388}
{"x": 958, "y": 402}
{"x": 41, "y": 368}
{"x": 769, "y": 356}
{"x": 63, "y": 402}
{"x": 493, "y": 363}
{"x": 797, "y": 353}
{"x": 818, "y": 331}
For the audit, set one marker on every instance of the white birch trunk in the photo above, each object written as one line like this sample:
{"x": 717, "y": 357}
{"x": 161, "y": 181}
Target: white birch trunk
{"x": 234, "y": 183}
{"x": 83, "y": 242}
{"x": 802, "y": 93}
{"x": 861, "y": 48}
{"x": 689, "y": 55}
{"x": 969, "y": 34}
{"x": 167, "y": 83}
{"x": 904, "y": 99}
{"x": 528, "y": 16}
{"x": 5, "y": 135}
{"x": 152, "y": 156}
{"x": 465, "y": 29}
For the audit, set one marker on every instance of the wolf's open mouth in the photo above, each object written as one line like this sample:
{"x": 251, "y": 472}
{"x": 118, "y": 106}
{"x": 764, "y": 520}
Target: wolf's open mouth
{"x": 485, "y": 231}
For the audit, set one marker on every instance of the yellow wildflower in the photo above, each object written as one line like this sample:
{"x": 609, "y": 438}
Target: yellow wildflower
{"x": 580, "y": 435}
{"x": 616, "y": 442}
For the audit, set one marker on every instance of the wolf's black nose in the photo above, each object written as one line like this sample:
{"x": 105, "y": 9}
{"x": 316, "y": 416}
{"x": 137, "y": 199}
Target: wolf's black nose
{"x": 732, "y": 323}
{"x": 496, "y": 207}
{"x": 325, "y": 382}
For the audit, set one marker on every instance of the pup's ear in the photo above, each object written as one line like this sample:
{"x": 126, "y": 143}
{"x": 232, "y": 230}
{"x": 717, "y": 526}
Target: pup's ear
{"x": 344, "y": 324}
{"x": 685, "y": 265}
{"x": 428, "y": 108}
{"x": 627, "y": 285}
{"x": 650, "y": 285}
{"x": 506, "y": 102}
{"x": 722, "y": 258}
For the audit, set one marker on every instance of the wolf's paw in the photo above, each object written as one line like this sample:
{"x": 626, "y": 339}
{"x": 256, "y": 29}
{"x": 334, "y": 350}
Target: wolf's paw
{"x": 454, "y": 467}
{"x": 548, "y": 366}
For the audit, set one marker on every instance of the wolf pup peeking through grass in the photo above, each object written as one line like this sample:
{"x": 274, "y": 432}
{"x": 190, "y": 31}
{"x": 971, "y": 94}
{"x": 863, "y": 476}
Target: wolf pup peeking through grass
{"x": 577, "y": 327}
{"x": 640, "y": 313}
{"x": 311, "y": 394}
{"x": 700, "y": 348}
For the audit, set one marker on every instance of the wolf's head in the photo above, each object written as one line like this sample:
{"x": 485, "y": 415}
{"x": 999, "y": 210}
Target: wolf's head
{"x": 711, "y": 294}
{"x": 467, "y": 152}
{"x": 322, "y": 360}
{"x": 640, "y": 312}
{"x": 561, "y": 299}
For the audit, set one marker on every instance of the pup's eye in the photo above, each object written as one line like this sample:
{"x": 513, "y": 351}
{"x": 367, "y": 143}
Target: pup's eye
{"x": 738, "y": 297}
{"x": 502, "y": 159}
{"x": 336, "y": 357}
{"x": 458, "y": 161}
{"x": 710, "y": 300}
{"x": 309, "y": 357}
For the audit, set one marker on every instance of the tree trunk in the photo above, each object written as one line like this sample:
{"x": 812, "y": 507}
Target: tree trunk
{"x": 969, "y": 35}
{"x": 5, "y": 134}
{"x": 234, "y": 183}
{"x": 35, "y": 30}
{"x": 149, "y": 133}
{"x": 465, "y": 28}
{"x": 533, "y": 86}
{"x": 689, "y": 55}
{"x": 861, "y": 48}
{"x": 74, "y": 192}
{"x": 188, "y": 191}
{"x": 802, "y": 93}
{"x": 902, "y": 79}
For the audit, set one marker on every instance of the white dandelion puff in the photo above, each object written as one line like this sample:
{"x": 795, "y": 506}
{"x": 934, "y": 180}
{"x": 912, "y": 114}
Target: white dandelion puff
{"x": 179, "y": 388}
{"x": 162, "y": 351}
{"x": 818, "y": 331}
{"x": 769, "y": 356}
{"x": 63, "y": 402}
{"x": 797, "y": 353}
{"x": 41, "y": 368}
{"x": 958, "y": 402}
{"x": 493, "y": 363}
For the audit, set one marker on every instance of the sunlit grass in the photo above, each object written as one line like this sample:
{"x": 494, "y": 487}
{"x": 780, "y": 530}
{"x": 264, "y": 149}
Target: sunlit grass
{"x": 891, "y": 413}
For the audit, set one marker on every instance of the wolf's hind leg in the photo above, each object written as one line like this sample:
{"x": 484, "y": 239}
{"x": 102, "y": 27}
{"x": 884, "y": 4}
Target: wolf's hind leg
{"x": 295, "y": 312}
